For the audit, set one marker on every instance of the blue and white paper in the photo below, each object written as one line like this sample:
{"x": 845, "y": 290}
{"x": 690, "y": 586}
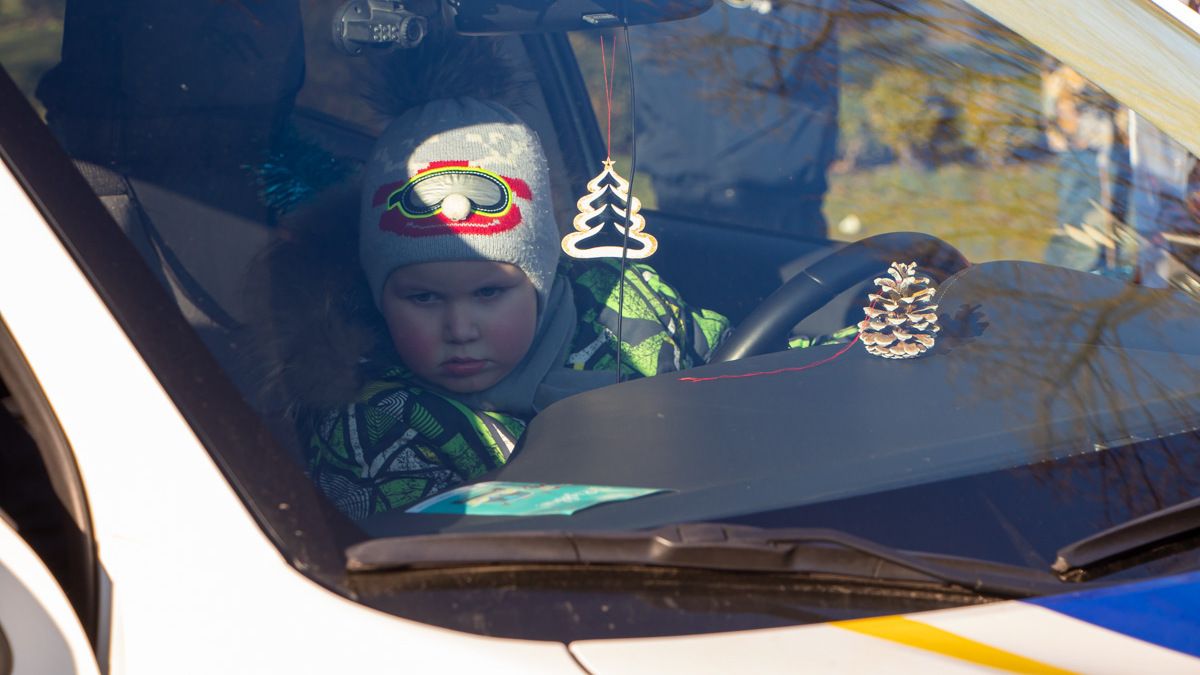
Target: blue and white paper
{"x": 500, "y": 498}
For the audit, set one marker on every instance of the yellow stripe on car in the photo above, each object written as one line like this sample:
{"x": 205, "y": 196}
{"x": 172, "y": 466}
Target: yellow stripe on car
{"x": 923, "y": 636}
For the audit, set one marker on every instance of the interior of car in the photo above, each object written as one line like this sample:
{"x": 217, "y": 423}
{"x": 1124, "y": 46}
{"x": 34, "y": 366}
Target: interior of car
{"x": 218, "y": 136}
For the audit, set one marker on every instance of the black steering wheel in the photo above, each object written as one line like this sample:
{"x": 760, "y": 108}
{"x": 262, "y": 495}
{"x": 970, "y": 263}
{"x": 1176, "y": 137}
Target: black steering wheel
{"x": 766, "y": 328}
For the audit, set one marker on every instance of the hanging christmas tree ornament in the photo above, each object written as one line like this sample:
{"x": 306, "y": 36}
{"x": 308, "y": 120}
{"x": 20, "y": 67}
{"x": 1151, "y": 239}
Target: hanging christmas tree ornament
{"x": 608, "y": 200}
{"x": 901, "y": 320}
{"x": 606, "y": 203}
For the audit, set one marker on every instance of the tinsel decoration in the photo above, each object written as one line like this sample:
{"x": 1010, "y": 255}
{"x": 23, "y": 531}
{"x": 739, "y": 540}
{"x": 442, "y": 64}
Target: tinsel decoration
{"x": 605, "y": 204}
{"x": 901, "y": 320}
{"x": 295, "y": 171}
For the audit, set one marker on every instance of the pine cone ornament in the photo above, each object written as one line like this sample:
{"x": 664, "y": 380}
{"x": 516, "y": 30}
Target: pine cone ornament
{"x": 901, "y": 321}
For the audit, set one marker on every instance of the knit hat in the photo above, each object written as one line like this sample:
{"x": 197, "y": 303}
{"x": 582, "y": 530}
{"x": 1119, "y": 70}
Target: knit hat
{"x": 458, "y": 179}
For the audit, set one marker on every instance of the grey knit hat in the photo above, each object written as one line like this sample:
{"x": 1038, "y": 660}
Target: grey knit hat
{"x": 458, "y": 179}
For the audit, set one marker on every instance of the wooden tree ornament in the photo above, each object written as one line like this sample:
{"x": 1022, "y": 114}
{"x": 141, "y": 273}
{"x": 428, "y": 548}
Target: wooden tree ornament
{"x": 605, "y": 204}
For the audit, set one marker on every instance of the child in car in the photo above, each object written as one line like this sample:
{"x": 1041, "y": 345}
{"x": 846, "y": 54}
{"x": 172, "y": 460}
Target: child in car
{"x": 487, "y": 325}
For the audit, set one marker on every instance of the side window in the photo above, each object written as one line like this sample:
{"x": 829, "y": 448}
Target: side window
{"x": 30, "y": 42}
{"x": 842, "y": 119}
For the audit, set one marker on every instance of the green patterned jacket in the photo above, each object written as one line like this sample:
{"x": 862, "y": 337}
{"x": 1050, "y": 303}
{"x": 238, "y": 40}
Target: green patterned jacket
{"x": 399, "y": 442}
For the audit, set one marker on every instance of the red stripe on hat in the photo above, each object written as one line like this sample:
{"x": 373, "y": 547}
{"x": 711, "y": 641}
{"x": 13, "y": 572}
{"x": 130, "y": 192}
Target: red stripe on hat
{"x": 519, "y": 187}
{"x": 385, "y": 191}
{"x": 438, "y": 225}
{"x": 441, "y": 164}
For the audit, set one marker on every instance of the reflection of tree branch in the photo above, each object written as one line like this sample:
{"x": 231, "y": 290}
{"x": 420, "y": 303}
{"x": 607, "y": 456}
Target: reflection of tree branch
{"x": 1177, "y": 407}
{"x": 1113, "y": 311}
{"x": 1113, "y": 398}
{"x": 1157, "y": 499}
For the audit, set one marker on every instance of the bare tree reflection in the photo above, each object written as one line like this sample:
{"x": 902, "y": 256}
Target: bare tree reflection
{"x": 1109, "y": 371}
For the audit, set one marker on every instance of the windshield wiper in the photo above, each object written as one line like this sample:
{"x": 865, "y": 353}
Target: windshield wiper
{"x": 1134, "y": 542}
{"x": 702, "y": 546}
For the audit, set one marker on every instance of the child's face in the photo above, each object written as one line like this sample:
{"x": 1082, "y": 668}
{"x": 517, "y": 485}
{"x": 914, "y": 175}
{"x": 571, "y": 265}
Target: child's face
{"x": 460, "y": 325}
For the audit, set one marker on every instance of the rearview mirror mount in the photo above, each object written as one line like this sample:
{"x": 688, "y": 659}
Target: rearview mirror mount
{"x": 386, "y": 24}
{"x": 498, "y": 17}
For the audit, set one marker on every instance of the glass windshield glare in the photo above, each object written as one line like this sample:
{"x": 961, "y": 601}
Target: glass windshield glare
{"x": 763, "y": 164}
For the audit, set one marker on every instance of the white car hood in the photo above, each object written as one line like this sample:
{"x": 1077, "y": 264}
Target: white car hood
{"x": 1007, "y": 636}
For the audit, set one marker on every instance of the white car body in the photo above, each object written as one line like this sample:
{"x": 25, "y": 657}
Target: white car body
{"x": 192, "y": 584}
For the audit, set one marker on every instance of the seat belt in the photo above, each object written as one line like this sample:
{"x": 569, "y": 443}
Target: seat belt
{"x": 120, "y": 200}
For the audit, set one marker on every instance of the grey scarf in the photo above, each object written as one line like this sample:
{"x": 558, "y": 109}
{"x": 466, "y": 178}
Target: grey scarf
{"x": 540, "y": 378}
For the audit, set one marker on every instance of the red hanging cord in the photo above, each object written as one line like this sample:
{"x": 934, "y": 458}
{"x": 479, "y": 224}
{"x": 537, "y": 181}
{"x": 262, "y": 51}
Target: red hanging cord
{"x": 795, "y": 369}
{"x": 608, "y": 90}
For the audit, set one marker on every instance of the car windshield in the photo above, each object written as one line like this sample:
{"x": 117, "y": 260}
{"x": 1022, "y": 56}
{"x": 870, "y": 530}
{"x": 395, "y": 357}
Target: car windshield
{"x": 882, "y": 267}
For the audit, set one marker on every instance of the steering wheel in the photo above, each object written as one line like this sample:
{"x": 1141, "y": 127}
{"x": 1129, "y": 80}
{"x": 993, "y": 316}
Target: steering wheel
{"x": 766, "y": 328}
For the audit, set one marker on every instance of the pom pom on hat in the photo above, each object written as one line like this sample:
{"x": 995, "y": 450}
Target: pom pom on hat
{"x": 444, "y": 66}
{"x": 456, "y": 207}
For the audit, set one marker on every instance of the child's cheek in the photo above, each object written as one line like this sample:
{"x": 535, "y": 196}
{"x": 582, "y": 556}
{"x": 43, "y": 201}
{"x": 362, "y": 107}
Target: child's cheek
{"x": 511, "y": 341}
{"x": 415, "y": 342}
{"x": 515, "y": 328}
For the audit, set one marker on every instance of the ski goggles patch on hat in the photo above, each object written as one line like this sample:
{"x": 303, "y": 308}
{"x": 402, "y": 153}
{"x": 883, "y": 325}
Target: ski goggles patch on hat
{"x": 451, "y": 198}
